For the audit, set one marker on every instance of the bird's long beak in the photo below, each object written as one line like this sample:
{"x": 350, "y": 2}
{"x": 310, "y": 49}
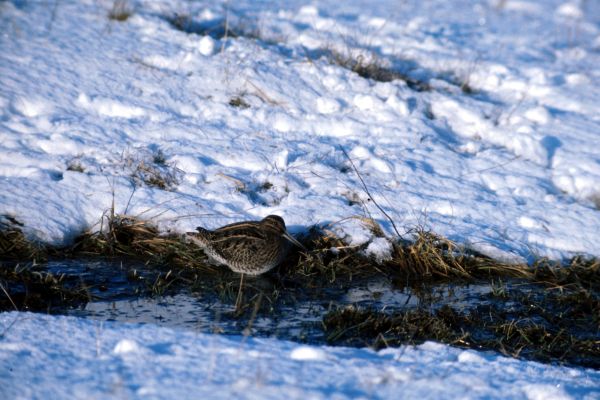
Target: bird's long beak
{"x": 293, "y": 240}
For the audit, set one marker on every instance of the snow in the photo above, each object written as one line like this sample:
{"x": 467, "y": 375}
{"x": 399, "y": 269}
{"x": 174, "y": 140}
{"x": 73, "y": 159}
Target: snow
{"x": 78, "y": 358}
{"x": 512, "y": 170}
{"x": 78, "y": 86}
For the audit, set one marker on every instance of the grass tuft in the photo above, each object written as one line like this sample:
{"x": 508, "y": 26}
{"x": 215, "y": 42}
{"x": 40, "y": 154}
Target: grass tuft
{"x": 31, "y": 288}
{"x": 14, "y": 245}
{"x": 131, "y": 237}
{"x": 152, "y": 169}
{"x": 239, "y": 102}
{"x": 371, "y": 67}
{"x": 547, "y": 329}
{"x": 75, "y": 165}
{"x": 121, "y": 11}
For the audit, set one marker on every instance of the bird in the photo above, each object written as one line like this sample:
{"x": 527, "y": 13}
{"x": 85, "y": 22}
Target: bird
{"x": 248, "y": 247}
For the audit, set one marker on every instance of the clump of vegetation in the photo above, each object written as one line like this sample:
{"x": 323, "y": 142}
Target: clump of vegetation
{"x": 130, "y": 237}
{"x": 239, "y": 102}
{"x": 538, "y": 324}
{"x": 371, "y": 67}
{"x": 75, "y": 165}
{"x": 32, "y": 288}
{"x": 432, "y": 256}
{"x": 595, "y": 199}
{"x": 152, "y": 169}
{"x": 120, "y": 11}
{"x": 13, "y": 243}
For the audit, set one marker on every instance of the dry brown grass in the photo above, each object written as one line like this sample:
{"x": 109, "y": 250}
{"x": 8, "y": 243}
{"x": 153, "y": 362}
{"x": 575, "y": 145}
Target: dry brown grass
{"x": 120, "y": 11}
{"x": 434, "y": 256}
{"x": 151, "y": 168}
{"x": 26, "y": 287}
{"x": 544, "y": 330}
{"x": 427, "y": 257}
{"x": 239, "y": 102}
{"x": 14, "y": 245}
{"x": 370, "y": 66}
{"x": 128, "y": 236}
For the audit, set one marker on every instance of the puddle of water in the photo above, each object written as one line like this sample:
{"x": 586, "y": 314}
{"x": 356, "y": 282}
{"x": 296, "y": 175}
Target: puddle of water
{"x": 294, "y": 309}
{"x": 295, "y": 314}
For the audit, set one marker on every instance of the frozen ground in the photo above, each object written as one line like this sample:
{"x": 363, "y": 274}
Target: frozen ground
{"x": 90, "y": 107}
{"x": 76, "y": 358}
{"x": 512, "y": 169}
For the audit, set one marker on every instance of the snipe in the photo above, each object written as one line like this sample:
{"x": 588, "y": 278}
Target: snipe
{"x": 251, "y": 247}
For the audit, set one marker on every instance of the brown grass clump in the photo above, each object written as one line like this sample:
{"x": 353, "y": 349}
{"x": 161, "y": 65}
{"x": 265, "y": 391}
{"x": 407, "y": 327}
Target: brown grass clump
{"x": 239, "y": 102}
{"x": 75, "y": 165}
{"x": 131, "y": 237}
{"x": 121, "y": 11}
{"x": 152, "y": 169}
{"x": 371, "y": 67}
{"x": 216, "y": 29}
{"x": 578, "y": 273}
{"x": 14, "y": 245}
{"x": 433, "y": 256}
{"x": 354, "y": 326}
{"x": 516, "y": 332}
{"x": 329, "y": 261}
{"x": 428, "y": 258}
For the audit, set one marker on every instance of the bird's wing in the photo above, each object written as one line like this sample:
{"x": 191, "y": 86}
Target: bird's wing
{"x": 248, "y": 231}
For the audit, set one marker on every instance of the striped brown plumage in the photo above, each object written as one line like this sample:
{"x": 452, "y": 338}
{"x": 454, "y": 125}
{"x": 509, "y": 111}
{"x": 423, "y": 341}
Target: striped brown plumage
{"x": 250, "y": 247}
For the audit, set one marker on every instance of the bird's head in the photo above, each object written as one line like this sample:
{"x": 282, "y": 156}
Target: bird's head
{"x": 276, "y": 223}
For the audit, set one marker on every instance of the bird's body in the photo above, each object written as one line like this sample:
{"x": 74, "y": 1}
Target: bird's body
{"x": 252, "y": 247}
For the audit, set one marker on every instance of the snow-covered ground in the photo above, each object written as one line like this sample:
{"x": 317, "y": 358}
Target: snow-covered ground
{"x": 102, "y": 360}
{"x": 512, "y": 169}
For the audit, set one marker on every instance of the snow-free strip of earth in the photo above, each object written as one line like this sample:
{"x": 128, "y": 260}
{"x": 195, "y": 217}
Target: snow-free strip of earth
{"x": 510, "y": 167}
